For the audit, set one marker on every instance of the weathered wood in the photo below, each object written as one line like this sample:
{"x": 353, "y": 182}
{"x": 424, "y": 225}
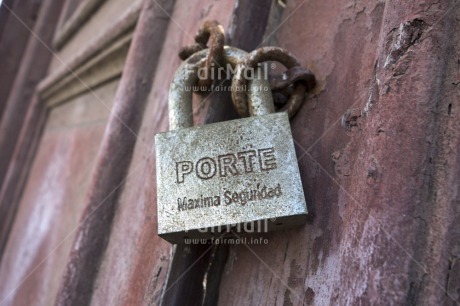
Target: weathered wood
{"x": 19, "y": 168}
{"x": 77, "y": 18}
{"x": 249, "y": 21}
{"x": 133, "y": 241}
{"x": 378, "y": 149}
{"x": 55, "y": 82}
{"x": 114, "y": 156}
{"x": 52, "y": 201}
{"x": 4, "y": 15}
{"x": 34, "y": 65}
{"x": 105, "y": 66}
{"x": 15, "y": 19}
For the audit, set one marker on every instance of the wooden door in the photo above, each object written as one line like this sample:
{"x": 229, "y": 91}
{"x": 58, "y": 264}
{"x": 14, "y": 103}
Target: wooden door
{"x": 377, "y": 143}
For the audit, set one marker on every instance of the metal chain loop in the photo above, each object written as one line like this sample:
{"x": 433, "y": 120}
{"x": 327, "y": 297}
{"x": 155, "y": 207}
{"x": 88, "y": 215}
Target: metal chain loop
{"x": 294, "y": 82}
{"x": 292, "y": 76}
{"x": 302, "y": 79}
{"x": 210, "y": 32}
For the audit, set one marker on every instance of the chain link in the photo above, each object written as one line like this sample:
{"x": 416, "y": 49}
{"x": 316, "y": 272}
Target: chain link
{"x": 294, "y": 82}
{"x": 213, "y": 33}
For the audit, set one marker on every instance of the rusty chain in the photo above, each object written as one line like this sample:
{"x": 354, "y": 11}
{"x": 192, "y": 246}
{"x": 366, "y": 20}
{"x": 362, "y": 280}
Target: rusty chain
{"x": 301, "y": 78}
{"x": 211, "y": 31}
{"x": 294, "y": 82}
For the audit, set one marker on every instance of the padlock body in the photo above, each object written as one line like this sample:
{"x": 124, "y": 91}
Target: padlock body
{"x": 240, "y": 175}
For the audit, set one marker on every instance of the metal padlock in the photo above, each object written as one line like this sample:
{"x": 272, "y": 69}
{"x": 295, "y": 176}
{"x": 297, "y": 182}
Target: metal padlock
{"x": 240, "y": 175}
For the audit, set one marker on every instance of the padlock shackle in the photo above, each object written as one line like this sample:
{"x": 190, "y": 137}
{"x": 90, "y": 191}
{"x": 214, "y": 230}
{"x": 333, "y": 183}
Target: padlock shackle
{"x": 260, "y": 98}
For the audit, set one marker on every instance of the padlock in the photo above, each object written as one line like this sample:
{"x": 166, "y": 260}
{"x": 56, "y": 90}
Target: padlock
{"x": 236, "y": 176}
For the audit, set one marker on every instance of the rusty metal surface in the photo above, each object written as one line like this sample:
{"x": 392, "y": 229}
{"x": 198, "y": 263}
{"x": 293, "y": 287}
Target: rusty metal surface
{"x": 292, "y": 86}
{"x": 264, "y": 54}
{"x": 291, "y": 76}
{"x": 212, "y": 33}
{"x": 259, "y": 99}
{"x": 295, "y": 82}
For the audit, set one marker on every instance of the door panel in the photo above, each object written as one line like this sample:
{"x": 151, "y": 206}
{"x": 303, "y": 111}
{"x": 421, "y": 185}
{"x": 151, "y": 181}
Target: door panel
{"x": 52, "y": 202}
